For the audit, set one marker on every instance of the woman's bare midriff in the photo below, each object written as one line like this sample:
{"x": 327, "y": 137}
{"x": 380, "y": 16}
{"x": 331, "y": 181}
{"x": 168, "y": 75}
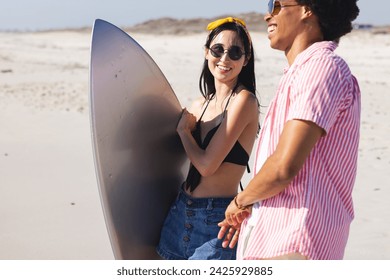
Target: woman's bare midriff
{"x": 223, "y": 183}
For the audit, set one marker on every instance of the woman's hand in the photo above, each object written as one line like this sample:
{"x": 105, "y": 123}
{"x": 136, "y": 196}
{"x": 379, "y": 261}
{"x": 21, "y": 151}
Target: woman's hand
{"x": 187, "y": 122}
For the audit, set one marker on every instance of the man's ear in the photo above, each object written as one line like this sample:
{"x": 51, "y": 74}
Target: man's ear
{"x": 308, "y": 12}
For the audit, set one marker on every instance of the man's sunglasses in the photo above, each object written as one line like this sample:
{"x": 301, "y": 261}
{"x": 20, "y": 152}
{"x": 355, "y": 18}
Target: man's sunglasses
{"x": 274, "y": 7}
{"x": 234, "y": 52}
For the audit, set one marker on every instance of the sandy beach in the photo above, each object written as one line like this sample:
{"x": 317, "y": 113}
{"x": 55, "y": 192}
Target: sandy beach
{"x": 49, "y": 200}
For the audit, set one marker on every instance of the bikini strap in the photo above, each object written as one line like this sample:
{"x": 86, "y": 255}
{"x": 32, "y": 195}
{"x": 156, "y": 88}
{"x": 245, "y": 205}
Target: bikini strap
{"x": 208, "y": 102}
{"x": 249, "y": 171}
{"x": 227, "y": 103}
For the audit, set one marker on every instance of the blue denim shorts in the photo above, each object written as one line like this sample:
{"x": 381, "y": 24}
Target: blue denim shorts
{"x": 190, "y": 230}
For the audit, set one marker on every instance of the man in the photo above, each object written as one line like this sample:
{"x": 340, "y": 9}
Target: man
{"x": 299, "y": 203}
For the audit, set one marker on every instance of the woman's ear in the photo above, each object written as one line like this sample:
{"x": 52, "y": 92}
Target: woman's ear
{"x": 246, "y": 60}
{"x": 206, "y": 53}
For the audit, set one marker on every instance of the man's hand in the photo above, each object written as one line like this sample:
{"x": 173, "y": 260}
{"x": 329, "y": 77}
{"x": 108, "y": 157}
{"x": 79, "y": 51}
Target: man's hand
{"x": 229, "y": 234}
{"x": 230, "y": 227}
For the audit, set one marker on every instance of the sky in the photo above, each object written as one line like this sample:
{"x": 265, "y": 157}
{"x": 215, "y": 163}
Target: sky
{"x": 32, "y": 15}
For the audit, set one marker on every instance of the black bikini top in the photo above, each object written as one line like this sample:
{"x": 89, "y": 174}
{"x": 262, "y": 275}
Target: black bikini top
{"x": 237, "y": 154}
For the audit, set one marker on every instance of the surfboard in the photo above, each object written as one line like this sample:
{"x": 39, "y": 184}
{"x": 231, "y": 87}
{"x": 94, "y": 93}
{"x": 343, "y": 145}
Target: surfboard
{"x": 138, "y": 155}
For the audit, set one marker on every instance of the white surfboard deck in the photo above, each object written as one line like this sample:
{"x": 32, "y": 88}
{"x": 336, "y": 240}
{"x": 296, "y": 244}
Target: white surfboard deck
{"x": 138, "y": 155}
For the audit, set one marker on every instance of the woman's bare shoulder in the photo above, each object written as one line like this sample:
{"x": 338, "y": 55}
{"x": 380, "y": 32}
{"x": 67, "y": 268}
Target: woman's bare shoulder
{"x": 247, "y": 99}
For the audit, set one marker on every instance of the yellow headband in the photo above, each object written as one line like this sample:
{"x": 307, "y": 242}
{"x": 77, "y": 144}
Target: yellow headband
{"x": 219, "y": 22}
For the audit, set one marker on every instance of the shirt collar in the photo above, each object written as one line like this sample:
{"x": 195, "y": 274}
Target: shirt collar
{"x": 308, "y": 53}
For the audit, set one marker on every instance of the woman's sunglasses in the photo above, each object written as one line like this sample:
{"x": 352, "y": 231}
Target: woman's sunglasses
{"x": 234, "y": 52}
{"x": 274, "y": 7}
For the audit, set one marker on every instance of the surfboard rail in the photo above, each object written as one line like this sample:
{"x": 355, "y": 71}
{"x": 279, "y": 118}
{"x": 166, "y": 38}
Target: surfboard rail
{"x": 138, "y": 155}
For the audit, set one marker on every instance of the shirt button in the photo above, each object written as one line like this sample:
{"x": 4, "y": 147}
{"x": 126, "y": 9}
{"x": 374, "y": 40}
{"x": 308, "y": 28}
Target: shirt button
{"x": 190, "y": 213}
{"x": 188, "y": 226}
{"x": 186, "y": 238}
{"x": 189, "y": 202}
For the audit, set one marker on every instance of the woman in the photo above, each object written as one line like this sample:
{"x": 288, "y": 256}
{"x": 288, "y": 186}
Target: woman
{"x": 218, "y": 138}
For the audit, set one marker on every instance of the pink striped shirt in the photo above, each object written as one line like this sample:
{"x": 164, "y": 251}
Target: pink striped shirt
{"x": 313, "y": 214}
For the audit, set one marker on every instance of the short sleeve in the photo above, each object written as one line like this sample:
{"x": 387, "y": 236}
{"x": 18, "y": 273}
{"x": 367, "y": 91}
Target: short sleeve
{"x": 317, "y": 92}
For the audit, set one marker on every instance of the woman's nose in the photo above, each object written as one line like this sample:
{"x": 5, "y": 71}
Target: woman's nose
{"x": 225, "y": 56}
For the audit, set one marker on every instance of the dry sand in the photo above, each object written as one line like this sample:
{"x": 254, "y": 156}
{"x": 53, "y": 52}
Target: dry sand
{"x": 49, "y": 201}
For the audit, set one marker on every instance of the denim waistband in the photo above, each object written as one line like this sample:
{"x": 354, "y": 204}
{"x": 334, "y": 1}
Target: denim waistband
{"x": 209, "y": 202}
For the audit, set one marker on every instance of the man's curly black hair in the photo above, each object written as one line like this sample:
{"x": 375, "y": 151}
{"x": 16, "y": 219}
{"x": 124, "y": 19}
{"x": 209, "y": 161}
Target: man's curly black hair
{"x": 335, "y": 16}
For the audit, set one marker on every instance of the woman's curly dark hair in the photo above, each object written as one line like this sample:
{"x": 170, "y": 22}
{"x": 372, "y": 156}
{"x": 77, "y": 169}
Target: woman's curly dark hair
{"x": 335, "y": 16}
